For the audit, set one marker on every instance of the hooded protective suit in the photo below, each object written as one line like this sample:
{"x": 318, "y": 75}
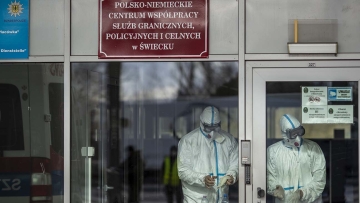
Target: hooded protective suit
{"x": 296, "y": 167}
{"x": 202, "y": 154}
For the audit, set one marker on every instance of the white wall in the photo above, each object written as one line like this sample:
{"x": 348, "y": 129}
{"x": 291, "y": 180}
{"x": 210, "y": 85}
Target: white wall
{"x": 267, "y": 25}
{"x": 267, "y": 22}
{"x": 46, "y": 35}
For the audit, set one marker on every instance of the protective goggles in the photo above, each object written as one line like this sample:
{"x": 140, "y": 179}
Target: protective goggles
{"x": 208, "y": 127}
{"x": 293, "y": 133}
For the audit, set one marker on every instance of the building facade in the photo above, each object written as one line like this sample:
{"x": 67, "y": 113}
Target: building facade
{"x": 79, "y": 128}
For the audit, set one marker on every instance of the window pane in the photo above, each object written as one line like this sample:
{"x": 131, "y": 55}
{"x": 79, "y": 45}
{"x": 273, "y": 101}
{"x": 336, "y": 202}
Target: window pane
{"x": 11, "y": 128}
{"x": 31, "y": 132}
{"x": 56, "y": 107}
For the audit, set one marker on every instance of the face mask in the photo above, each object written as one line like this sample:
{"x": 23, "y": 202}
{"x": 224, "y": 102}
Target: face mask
{"x": 292, "y": 142}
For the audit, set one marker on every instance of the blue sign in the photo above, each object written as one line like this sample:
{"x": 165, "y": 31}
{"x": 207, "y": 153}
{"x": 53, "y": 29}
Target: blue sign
{"x": 14, "y": 29}
{"x": 15, "y": 184}
{"x": 340, "y": 94}
{"x": 57, "y": 180}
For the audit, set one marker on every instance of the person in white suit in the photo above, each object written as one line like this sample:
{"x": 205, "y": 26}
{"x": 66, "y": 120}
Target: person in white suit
{"x": 207, "y": 160}
{"x": 295, "y": 166}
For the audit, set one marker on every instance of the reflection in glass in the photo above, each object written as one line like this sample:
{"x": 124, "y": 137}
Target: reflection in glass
{"x": 31, "y": 132}
{"x": 337, "y": 142}
{"x": 133, "y": 165}
{"x": 152, "y": 106}
{"x": 11, "y": 118}
{"x": 170, "y": 177}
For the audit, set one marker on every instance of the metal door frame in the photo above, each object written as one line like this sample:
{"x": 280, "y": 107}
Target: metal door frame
{"x": 257, "y": 74}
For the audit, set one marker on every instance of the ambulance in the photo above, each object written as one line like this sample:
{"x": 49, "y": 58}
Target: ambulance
{"x": 31, "y": 132}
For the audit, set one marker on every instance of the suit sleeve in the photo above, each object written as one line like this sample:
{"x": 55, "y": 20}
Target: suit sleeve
{"x": 314, "y": 189}
{"x": 271, "y": 174}
{"x": 185, "y": 165}
{"x": 234, "y": 160}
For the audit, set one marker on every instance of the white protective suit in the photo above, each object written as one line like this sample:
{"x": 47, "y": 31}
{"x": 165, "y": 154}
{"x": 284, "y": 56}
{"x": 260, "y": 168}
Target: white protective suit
{"x": 202, "y": 154}
{"x": 294, "y": 167}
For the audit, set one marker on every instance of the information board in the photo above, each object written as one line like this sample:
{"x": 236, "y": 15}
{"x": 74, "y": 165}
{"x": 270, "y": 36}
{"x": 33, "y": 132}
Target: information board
{"x": 153, "y": 29}
{"x": 314, "y": 96}
{"x": 314, "y": 114}
{"x": 14, "y": 29}
{"x": 340, "y": 94}
{"x": 315, "y": 108}
{"x": 340, "y": 114}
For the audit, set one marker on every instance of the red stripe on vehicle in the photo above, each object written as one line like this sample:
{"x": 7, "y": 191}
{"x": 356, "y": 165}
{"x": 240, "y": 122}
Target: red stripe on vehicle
{"x": 41, "y": 165}
{"x": 15, "y": 164}
{"x": 57, "y": 161}
{"x": 40, "y": 190}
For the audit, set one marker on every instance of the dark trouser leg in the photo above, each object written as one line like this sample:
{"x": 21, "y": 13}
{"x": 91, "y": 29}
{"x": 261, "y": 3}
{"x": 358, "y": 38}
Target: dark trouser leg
{"x": 179, "y": 194}
{"x": 169, "y": 193}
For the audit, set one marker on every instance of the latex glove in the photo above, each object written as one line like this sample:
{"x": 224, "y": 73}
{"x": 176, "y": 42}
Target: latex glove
{"x": 294, "y": 197}
{"x": 223, "y": 180}
{"x": 209, "y": 181}
{"x": 279, "y": 192}
{"x": 228, "y": 180}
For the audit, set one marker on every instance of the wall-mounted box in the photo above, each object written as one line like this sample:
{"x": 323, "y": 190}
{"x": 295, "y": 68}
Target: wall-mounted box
{"x": 313, "y": 48}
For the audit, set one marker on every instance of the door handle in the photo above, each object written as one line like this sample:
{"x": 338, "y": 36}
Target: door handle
{"x": 260, "y": 192}
{"x": 106, "y": 187}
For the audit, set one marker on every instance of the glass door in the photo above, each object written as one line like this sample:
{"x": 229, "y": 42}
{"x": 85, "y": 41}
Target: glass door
{"x": 304, "y": 131}
{"x": 86, "y": 165}
{"x": 127, "y": 119}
